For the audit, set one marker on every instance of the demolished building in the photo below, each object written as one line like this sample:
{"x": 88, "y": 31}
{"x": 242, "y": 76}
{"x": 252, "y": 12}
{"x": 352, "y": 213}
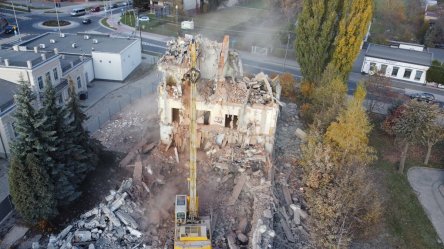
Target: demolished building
{"x": 231, "y": 108}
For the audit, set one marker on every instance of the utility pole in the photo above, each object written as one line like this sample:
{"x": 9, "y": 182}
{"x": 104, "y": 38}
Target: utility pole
{"x": 286, "y": 52}
{"x": 57, "y": 14}
{"x": 16, "y": 22}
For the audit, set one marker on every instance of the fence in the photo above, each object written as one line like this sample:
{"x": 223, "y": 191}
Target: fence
{"x": 99, "y": 114}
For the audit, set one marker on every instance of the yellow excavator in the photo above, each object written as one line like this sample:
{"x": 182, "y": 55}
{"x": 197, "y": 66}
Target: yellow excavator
{"x": 191, "y": 231}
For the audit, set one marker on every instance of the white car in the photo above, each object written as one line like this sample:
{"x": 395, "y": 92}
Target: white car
{"x": 144, "y": 19}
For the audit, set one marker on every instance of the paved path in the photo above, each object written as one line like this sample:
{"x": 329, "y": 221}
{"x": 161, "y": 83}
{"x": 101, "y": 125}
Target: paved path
{"x": 428, "y": 184}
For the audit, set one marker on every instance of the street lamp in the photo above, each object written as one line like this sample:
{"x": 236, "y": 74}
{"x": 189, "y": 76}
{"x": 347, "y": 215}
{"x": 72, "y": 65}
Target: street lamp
{"x": 177, "y": 13}
{"x": 57, "y": 15}
{"x": 16, "y": 22}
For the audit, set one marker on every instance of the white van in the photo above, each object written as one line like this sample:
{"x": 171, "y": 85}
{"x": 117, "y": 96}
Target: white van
{"x": 78, "y": 12}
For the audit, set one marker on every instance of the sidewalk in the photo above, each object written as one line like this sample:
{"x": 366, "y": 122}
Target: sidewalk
{"x": 428, "y": 183}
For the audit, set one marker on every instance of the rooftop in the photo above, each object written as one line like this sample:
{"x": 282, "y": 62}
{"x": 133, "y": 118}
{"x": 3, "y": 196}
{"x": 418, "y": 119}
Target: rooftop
{"x": 80, "y": 43}
{"x": 70, "y": 61}
{"x": 402, "y": 55}
{"x": 7, "y": 94}
{"x": 20, "y": 58}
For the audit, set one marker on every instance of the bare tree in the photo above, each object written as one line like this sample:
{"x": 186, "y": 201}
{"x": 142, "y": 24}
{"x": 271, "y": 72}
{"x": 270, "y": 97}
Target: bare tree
{"x": 379, "y": 89}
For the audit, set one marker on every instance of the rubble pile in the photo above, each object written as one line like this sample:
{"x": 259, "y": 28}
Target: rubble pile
{"x": 110, "y": 225}
{"x": 116, "y": 132}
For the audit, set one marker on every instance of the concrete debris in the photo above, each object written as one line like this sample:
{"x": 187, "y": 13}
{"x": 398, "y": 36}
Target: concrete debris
{"x": 82, "y": 236}
{"x": 301, "y": 134}
{"x": 137, "y": 173}
{"x": 109, "y": 225}
{"x": 237, "y": 189}
{"x": 35, "y": 245}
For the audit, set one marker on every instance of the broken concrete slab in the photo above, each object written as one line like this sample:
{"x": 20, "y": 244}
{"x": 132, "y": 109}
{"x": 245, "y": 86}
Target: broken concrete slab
{"x": 237, "y": 189}
{"x": 126, "y": 219}
{"x": 82, "y": 236}
{"x": 137, "y": 173}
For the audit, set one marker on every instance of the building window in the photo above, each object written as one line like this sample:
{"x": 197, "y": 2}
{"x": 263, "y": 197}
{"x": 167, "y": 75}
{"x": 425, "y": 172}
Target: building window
{"x": 48, "y": 77}
{"x": 207, "y": 117}
{"x": 40, "y": 81}
{"x": 418, "y": 75}
{"x": 407, "y": 73}
{"x": 383, "y": 69}
{"x": 109, "y": 61}
{"x": 231, "y": 121}
{"x": 56, "y": 75}
{"x": 100, "y": 61}
{"x": 395, "y": 71}
{"x": 372, "y": 67}
{"x": 79, "y": 82}
{"x": 176, "y": 116}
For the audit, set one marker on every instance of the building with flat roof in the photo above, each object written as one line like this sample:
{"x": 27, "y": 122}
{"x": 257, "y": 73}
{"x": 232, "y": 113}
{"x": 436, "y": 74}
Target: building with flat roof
{"x": 401, "y": 62}
{"x": 112, "y": 58}
{"x": 38, "y": 68}
{"x": 8, "y": 89}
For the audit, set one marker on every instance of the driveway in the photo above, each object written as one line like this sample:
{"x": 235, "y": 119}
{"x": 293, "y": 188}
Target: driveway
{"x": 428, "y": 184}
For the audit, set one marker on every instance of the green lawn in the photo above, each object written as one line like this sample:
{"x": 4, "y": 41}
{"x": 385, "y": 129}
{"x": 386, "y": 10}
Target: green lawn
{"x": 164, "y": 26}
{"x": 404, "y": 216}
{"x": 104, "y": 22}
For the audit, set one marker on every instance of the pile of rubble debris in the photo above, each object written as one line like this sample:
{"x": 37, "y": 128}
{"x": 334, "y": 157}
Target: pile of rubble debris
{"x": 110, "y": 225}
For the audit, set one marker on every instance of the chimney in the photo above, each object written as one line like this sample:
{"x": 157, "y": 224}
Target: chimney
{"x": 36, "y": 49}
{"x": 7, "y": 62}
{"x": 43, "y": 57}
{"x": 81, "y": 58}
{"x": 56, "y": 51}
{"x": 15, "y": 48}
{"x": 29, "y": 63}
{"x": 71, "y": 63}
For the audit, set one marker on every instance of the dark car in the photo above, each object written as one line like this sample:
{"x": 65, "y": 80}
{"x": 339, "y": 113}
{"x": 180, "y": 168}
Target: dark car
{"x": 114, "y": 6}
{"x": 10, "y": 29}
{"x": 86, "y": 21}
{"x": 95, "y": 9}
{"x": 427, "y": 97}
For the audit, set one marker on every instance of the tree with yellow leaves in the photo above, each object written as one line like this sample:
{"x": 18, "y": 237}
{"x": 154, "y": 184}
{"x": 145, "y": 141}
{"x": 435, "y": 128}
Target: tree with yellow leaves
{"x": 349, "y": 133}
{"x": 355, "y": 19}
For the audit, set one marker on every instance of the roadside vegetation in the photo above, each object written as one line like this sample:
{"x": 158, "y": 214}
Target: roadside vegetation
{"x": 351, "y": 160}
{"x": 399, "y": 20}
{"x": 403, "y": 216}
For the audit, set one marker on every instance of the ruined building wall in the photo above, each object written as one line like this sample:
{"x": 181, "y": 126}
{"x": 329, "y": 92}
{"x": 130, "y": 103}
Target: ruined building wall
{"x": 242, "y": 124}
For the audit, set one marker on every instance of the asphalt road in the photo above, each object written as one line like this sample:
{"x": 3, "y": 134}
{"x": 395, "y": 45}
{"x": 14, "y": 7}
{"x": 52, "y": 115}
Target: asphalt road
{"x": 29, "y": 24}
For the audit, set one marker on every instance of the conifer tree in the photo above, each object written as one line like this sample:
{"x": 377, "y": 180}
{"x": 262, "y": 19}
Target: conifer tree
{"x": 355, "y": 18}
{"x": 315, "y": 34}
{"x": 60, "y": 168}
{"x": 31, "y": 188}
{"x": 88, "y": 149}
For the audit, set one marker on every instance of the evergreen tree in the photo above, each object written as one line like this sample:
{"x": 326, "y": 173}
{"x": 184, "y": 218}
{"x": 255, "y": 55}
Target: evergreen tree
{"x": 315, "y": 34}
{"x": 355, "y": 18}
{"x": 31, "y": 188}
{"x": 88, "y": 149}
{"x": 61, "y": 170}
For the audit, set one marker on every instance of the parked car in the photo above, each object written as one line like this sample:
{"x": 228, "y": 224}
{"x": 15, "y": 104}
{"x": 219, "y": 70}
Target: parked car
{"x": 86, "y": 21}
{"x": 10, "y": 29}
{"x": 95, "y": 9}
{"x": 115, "y": 5}
{"x": 427, "y": 97}
{"x": 144, "y": 19}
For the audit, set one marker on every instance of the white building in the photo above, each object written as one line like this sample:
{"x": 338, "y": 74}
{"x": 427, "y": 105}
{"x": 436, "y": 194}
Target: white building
{"x": 397, "y": 62}
{"x": 8, "y": 89}
{"x": 37, "y": 69}
{"x": 112, "y": 58}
